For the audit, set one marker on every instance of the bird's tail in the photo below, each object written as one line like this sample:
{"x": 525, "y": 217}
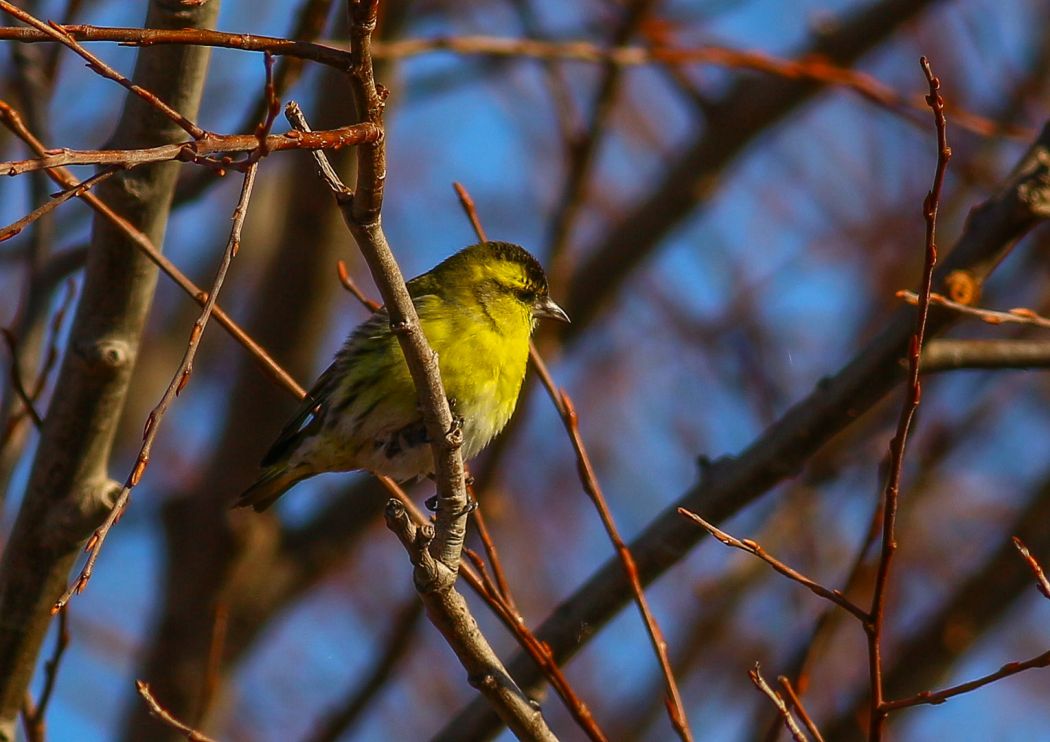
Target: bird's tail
{"x": 275, "y": 481}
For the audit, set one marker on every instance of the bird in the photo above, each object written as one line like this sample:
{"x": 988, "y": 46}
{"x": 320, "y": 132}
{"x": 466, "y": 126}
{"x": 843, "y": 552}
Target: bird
{"x": 478, "y": 309}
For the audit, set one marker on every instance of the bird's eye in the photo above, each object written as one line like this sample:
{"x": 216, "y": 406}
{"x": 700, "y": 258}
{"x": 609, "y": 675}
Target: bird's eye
{"x": 525, "y": 296}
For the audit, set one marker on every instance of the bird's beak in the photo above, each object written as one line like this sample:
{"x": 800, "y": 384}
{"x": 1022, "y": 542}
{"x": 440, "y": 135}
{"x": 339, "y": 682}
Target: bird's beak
{"x": 546, "y": 307}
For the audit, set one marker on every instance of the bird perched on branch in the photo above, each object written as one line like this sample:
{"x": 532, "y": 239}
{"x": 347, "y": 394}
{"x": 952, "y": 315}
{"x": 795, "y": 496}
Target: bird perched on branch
{"x": 477, "y": 309}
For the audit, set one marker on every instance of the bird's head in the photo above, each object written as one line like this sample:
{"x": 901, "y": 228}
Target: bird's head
{"x": 504, "y": 278}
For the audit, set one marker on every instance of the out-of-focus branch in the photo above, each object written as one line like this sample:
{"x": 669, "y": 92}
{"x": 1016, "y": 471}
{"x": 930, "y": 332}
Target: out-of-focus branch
{"x": 584, "y": 147}
{"x": 815, "y": 68}
{"x": 399, "y": 640}
{"x": 34, "y": 715}
{"x": 953, "y": 355}
{"x": 750, "y": 108}
{"x": 69, "y": 488}
{"x": 729, "y": 484}
{"x": 17, "y": 384}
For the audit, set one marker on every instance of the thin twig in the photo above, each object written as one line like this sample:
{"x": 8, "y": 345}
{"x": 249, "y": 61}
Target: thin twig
{"x": 59, "y": 34}
{"x": 325, "y": 171}
{"x": 499, "y": 597}
{"x": 1040, "y": 576}
{"x": 931, "y": 203}
{"x": 348, "y": 283}
{"x": 753, "y": 547}
{"x": 178, "y": 382}
{"x": 1018, "y": 315}
{"x": 785, "y": 713}
{"x": 796, "y": 705}
{"x": 501, "y": 583}
{"x": 468, "y": 206}
{"x": 57, "y": 200}
{"x": 196, "y": 151}
{"x": 589, "y": 480}
{"x": 161, "y": 713}
{"x": 940, "y": 696}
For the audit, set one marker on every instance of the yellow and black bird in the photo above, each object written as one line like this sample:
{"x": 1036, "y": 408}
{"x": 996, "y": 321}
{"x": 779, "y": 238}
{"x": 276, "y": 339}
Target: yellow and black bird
{"x": 478, "y": 309}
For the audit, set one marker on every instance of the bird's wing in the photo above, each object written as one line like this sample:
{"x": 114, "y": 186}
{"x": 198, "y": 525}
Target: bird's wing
{"x": 310, "y": 414}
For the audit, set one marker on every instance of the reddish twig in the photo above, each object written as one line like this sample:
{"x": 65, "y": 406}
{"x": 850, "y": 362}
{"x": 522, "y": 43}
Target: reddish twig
{"x": 13, "y": 121}
{"x": 1018, "y": 315}
{"x": 177, "y": 384}
{"x": 468, "y": 206}
{"x": 1041, "y": 581}
{"x": 540, "y": 653}
{"x": 785, "y": 713}
{"x": 272, "y": 108}
{"x": 33, "y": 716}
{"x": 940, "y": 696}
{"x": 59, "y": 34}
{"x": 753, "y": 547}
{"x": 500, "y": 595}
{"x": 796, "y": 705}
{"x": 913, "y": 395}
{"x": 198, "y": 151}
{"x": 501, "y": 583}
{"x": 57, "y": 200}
{"x": 320, "y": 53}
{"x": 348, "y": 283}
{"x": 161, "y": 713}
{"x": 814, "y": 68}
{"x": 563, "y": 403}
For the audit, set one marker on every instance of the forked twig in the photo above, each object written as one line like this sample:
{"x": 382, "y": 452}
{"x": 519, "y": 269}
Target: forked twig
{"x": 785, "y": 713}
{"x": 165, "y": 716}
{"x": 913, "y": 394}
